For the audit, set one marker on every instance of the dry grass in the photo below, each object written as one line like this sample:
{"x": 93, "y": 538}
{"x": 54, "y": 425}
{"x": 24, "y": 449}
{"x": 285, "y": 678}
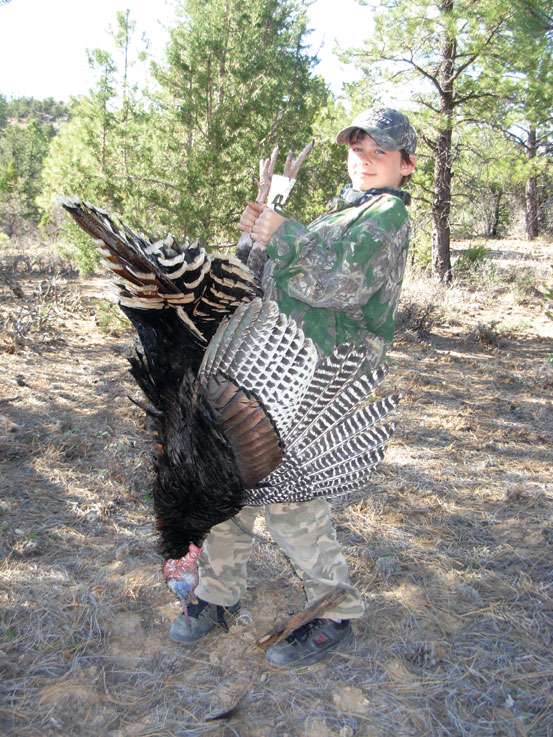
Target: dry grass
{"x": 453, "y": 555}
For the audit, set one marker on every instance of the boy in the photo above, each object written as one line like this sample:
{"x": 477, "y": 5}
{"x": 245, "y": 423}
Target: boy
{"x": 340, "y": 278}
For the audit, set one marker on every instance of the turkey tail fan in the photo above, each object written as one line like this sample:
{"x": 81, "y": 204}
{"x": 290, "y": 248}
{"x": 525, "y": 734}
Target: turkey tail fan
{"x": 201, "y": 288}
{"x": 228, "y": 283}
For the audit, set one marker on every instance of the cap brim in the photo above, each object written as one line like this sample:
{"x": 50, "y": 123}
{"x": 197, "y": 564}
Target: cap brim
{"x": 375, "y": 133}
{"x": 343, "y": 135}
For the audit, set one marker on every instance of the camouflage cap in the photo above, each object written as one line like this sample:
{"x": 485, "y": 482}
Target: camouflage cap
{"x": 389, "y": 128}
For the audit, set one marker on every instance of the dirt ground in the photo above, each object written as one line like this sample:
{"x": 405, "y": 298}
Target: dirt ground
{"x": 452, "y": 551}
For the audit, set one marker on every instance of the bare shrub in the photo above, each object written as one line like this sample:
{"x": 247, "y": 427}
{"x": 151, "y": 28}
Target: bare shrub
{"x": 488, "y": 335}
{"x": 419, "y": 308}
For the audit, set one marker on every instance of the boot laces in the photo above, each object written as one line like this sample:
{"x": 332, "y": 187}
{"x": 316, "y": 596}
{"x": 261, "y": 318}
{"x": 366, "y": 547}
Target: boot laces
{"x": 302, "y": 633}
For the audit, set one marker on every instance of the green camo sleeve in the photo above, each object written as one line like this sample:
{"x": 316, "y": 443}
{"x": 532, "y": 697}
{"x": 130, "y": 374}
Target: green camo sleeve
{"x": 344, "y": 258}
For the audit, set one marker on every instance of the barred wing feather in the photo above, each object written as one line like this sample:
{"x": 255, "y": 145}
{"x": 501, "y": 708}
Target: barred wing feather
{"x": 335, "y": 484}
{"x": 336, "y": 439}
{"x": 314, "y": 422}
{"x": 263, "y": 352}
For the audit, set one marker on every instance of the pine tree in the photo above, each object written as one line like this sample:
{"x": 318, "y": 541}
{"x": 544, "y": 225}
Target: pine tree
{"x": 527, "y": 92}
{"x": 23, "y": 147}
{"x": 95, "y": 153}
{"x": 237, "y": 80}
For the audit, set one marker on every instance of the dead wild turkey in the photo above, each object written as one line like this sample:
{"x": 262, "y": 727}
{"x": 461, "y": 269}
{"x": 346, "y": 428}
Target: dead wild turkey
{"x": 243, "y": 411}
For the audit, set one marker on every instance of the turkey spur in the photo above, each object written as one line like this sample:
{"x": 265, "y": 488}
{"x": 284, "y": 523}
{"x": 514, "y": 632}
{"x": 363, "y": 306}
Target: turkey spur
{"x": 244, "y": 412}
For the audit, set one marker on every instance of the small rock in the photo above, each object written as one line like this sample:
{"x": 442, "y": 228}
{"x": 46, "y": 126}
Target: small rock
{"x": 469, "y": 593}
{"x": 215, "y": 658}
{"x": 122, "y": 552}
{"x": 317, "y": 728}
{"x": 350, "y": 699}
{"x": 346, "y": 731}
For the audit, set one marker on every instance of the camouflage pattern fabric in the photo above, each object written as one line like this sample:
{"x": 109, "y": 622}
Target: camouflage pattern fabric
{"x": 389, "y": 128}
{"x": 305, "y": 533}
{"x": 341, "y": 276}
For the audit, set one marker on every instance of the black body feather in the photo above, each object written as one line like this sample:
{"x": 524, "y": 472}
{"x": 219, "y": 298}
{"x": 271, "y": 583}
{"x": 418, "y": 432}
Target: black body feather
{"x": 192, "y": 470}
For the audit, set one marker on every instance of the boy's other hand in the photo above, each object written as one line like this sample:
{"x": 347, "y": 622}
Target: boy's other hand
{"x": 265, "y": 225}
{"x": 250, "y": 215}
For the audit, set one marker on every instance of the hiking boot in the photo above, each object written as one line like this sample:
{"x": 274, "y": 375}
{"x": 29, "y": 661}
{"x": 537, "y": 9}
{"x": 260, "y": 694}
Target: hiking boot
{"x": 310, "y": 643}
{"x": 203, "y": 617}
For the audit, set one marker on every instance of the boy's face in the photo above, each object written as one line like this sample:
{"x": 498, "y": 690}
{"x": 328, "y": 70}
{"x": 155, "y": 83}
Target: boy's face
{"x": 370, "y": 165}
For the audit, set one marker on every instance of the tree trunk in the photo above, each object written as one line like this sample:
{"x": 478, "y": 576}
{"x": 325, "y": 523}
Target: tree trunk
{"x": 441, "y": 208}
{"x": 441, "y": 205}
{"x": 496, "y": 214}
{"x": 531, "y": 190}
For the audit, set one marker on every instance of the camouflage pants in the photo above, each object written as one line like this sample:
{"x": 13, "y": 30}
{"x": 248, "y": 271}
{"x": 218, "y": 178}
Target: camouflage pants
{"x": 305, "y": 533}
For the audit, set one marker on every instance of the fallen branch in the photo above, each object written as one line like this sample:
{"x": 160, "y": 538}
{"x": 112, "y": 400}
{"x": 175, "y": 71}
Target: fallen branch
{"x": 283, "y": 629}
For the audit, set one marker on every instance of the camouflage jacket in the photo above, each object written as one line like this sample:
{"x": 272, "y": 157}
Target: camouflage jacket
{"x": 340, "y": 277}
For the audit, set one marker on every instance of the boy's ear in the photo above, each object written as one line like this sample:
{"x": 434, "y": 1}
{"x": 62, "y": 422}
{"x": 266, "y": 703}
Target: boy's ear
{"x": 407, "y": 168}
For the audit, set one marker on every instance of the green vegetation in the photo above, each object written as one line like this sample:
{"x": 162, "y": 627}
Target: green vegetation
{"x": 482, "y": 77}
{"x": 473, "y": 257}
{"x": 548, "y": 295}
{"x": 26, "y": 128}
{"x": 109, "y": 317}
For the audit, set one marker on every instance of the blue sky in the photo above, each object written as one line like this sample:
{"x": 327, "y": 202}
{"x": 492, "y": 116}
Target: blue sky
{"x": 43, "y": 42}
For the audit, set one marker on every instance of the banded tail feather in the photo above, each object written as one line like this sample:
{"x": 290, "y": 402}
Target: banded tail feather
{"x": 202, "y": 288}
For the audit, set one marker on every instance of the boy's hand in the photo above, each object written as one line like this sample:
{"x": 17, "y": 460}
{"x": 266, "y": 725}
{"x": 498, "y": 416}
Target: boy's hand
{"x": 265, "y": 225}
{"x": 250, "y": 215}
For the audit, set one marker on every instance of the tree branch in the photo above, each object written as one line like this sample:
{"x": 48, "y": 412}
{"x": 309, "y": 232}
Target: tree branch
{"x": 149, "y": 180}
{"x": 418, "y": 68}
{"x": 472, "y": 96}
{"x": 475, "y": 55}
